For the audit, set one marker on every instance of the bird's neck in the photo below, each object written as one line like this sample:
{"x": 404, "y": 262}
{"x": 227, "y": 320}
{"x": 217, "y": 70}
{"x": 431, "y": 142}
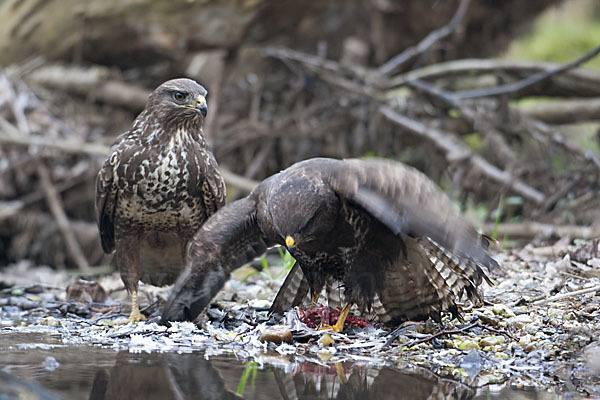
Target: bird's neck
{"x": 175, "y": 133}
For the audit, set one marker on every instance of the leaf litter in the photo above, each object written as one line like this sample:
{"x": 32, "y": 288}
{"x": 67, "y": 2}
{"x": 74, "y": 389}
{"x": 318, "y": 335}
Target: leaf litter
{"x": 539, "y": 327}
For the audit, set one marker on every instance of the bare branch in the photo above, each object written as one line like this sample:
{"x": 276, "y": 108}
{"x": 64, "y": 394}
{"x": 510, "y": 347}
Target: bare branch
{"x": 565, "y": 111}
{"x": 514, "y": 88}
{"x": 92, "y": 82}
{"x": 533, "y": 229}
{"x": 567, "y": 295}
{"x": 424, "y": 45}
{"x": 456, "y": 150}
{"x": 58, "y": 212}
{"x": 579, "y": 81}
{"x": 102, "y": 150}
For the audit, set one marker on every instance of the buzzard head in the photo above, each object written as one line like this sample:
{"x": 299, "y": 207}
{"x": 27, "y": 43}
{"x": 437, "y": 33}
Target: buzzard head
{"x": 303, "y": 209}
{"x": 181, "y": 102}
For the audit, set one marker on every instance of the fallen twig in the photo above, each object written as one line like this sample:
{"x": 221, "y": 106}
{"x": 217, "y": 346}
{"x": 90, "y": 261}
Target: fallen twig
{"x": 533, "y": 229}
{"x": 513, "y": 88}
{"x": 566, "y": 111}
{"x": 580, "y": 81}
{"x": 424, "y": 45}
{"x": 315, "y": 63}
{"x": 92, "y": 82}
{"x": 476, "y": 324}
{"x": 55, "y": 206}
{"x": 103, "y": 150}
{"x": 567, "y": 295}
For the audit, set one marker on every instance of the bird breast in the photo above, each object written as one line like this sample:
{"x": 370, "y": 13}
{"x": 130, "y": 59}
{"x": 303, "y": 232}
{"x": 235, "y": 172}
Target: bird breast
{"x": 162, "y": 182}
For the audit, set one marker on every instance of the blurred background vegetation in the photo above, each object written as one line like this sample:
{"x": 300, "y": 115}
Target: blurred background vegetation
{"x": 289, "y": 80}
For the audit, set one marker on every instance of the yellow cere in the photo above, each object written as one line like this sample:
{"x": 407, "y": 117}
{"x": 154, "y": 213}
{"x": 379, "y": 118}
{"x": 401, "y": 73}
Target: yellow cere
{"x": 289, "y": 241}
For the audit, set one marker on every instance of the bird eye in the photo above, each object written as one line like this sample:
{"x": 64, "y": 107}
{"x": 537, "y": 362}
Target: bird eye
{"x": 179, "y": 96}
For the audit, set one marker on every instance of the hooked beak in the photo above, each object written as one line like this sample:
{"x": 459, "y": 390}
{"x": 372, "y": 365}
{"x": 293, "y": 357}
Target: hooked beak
{"x": 201, "y": 105}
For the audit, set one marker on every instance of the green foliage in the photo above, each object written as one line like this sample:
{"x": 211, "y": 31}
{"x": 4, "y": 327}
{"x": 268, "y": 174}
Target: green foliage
{"x": 561, "y": 35}
{"x": 474, "y": 141}
{"x": 499, "y": 210}
{"x": 287, "y": 260}
{"x": 251, "y": 368}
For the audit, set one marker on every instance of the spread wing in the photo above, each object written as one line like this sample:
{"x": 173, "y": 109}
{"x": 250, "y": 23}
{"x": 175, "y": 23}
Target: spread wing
{"x": 408, "y": 202}
{"x": 229, "y": 239}
{"x": 444, "y": 254}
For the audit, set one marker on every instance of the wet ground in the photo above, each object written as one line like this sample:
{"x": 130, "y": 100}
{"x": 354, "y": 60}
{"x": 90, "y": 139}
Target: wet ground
{"x": 537, "y": 337}
{"x": 40, "y": 365}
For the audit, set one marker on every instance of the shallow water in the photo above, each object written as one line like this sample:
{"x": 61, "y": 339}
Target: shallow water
{"x": 39, "y": 365}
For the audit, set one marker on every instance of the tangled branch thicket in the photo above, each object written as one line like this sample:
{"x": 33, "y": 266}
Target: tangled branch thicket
{"x": 459, "y": 121}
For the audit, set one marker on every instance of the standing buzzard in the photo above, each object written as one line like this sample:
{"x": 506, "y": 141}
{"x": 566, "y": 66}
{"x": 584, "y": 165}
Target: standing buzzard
{"x": 158, "y": 185}
{"x": 382, "y": 229}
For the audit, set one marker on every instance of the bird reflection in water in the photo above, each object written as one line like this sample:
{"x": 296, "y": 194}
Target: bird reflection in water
{"x": 187, "y": 376}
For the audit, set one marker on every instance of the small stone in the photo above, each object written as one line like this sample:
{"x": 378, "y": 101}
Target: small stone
{"x": 501, "y": 356}
{"x": 488, "y": 319}
{"x": 529, "y": 347}
{"x": 83, "y": 291}
{"x": 468, "y": 345}
{"x": 403, "y": 339}
{"x": 472, "y": 363}
{"x": 326, "y": 340}
{"x": 521, "y": 320}
{"x": 258, "y": 303}
{"x": 503, "y": 310}
{"x": 592, "y": 356}
{"x": 524, "y": 340}
{"x": 491, "y": 341}
{"x": 50, "y": 321}
{"x": 50, "y": 363}
{"x": 277, "y": 334}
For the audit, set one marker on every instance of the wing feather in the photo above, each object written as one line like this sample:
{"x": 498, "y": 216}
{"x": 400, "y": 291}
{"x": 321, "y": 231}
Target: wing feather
{"x": 292, "y": 292}
{"x": 229, "y": 239}
{"x": 105, "y": 206}
{"x": 408, "y": 202}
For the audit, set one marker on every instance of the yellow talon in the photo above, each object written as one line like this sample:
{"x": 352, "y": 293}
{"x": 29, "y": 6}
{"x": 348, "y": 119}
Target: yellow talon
{"x": 315, "y": 298}
{"x": 135, "y": 315}
{"x": 339, "y": 325}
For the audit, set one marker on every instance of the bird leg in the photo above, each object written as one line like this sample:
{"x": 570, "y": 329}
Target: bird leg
{"x": 339, "y": 325}
{"x": 135, "y": 315}
{"x": 128, "y": 261}
{"x": 315, "y": 297}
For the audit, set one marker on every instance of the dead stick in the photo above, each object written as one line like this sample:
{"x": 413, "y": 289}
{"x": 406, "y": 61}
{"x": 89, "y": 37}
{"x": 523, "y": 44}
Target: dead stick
{"x": 469, "y": 68}
{"x": 565, "y": 111}
{"x": 100, "y": 149}
{"x": 426, "y": 43}
{"x": 56, "y": 208}
{"x": 444, "y": 332}
{"x": 532, "y": 229}
{"x": 567, "y": 295}
{"x": 516, "y": 87}
{"x": 476, "y": 324}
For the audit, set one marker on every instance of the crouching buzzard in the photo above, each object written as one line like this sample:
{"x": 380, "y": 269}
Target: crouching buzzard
{"x": 158, "y": 185}
{"x": 382, "y": 229}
